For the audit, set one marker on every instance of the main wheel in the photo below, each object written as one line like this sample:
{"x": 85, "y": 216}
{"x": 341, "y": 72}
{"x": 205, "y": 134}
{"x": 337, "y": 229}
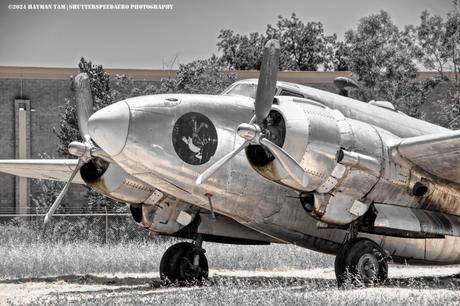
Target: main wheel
{"x": 361, "y": 262}
{"x": 177, "y": 263}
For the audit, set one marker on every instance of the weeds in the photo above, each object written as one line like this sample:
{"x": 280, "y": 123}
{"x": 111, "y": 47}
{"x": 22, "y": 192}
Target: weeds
{"x": 80, "y": 264}
{"x": 71, "y": 248}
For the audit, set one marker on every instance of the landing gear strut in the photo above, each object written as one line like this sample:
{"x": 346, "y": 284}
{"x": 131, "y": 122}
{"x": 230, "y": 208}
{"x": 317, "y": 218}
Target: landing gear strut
{"x": 360, "y": 262}
{"x": 184, "y": 262}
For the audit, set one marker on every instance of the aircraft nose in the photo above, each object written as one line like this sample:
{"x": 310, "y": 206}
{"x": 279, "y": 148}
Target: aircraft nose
{"x": 109, "y": 126}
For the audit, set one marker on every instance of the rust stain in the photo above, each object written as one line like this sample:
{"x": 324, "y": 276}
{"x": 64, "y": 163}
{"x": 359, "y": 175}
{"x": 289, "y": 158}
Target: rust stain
{"x": 173, "y": 209}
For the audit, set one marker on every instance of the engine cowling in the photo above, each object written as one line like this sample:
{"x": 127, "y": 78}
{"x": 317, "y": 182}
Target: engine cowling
{"x": 342, "y": 158}
{"x": 112, "y": 181}
{"x": 309, "y": 135}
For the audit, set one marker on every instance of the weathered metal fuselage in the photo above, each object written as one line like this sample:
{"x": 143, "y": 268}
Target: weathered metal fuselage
{"x": 172, "y": 139}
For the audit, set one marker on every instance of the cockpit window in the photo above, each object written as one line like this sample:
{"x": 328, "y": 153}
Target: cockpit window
{"x": 243, "y": 89}
{"x": 285, "y": 92}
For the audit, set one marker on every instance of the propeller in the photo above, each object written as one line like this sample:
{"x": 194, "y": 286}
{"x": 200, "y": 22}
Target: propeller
{"x": 84, "y": 150}
{"x": 252, "y": 131}
{"x": 84, "y": 103}
{"x": 211, "y": 170}
{"x": 58, "y": 200}
{"x": 266, "y": 86}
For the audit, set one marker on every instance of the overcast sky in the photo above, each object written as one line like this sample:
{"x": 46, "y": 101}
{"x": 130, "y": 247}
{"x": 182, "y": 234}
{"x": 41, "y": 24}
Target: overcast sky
{"x": 147, "y": 38}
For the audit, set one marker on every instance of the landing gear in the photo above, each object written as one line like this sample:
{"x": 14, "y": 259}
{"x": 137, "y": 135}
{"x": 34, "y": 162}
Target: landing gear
{"x": 184, "y": 262}
{"x": 361, "y": 262}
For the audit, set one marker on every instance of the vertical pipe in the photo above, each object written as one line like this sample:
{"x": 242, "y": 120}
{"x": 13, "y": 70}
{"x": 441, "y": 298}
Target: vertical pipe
{"x": 22, "y": 138}
{"x": 22, "y": 124}
{"x": 106, "y": 225}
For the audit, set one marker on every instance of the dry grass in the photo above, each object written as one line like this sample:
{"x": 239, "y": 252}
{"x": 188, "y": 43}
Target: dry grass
{"x": 39, "y": 259}
{"x": 60, "y": 267}
{"x": 252, "y": 291}
{"x": 25, "y": 254}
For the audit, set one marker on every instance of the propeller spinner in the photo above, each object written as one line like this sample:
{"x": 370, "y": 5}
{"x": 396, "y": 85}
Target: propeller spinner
{"x": 252, "y": 131}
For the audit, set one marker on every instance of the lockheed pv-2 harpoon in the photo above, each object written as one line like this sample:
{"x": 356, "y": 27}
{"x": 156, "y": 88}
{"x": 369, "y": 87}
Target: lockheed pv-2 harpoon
{"x": 270, "y": 161}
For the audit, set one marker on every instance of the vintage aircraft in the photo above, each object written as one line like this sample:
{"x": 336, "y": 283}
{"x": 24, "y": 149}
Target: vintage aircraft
{"x": 271, "y": 161}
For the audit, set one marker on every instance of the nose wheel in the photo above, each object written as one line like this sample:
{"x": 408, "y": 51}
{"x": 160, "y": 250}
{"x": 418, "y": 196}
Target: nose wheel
{"x": 361, "y": 262}
{"x": 184, "y": 262}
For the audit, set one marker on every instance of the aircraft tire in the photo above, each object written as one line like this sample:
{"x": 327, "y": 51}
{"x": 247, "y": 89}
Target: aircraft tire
{"x": 360, "y": 262}
{"x": 177, "y": 264}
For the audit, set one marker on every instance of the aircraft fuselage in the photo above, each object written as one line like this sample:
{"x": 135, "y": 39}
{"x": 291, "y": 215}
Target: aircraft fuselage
{"x": 168, "y": 140}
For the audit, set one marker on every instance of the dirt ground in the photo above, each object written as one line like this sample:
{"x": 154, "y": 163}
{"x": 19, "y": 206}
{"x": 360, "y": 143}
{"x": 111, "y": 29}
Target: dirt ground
{"x": 407, "y": 284}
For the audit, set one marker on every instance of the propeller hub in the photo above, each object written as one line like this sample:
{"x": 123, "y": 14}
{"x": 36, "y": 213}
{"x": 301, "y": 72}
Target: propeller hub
{"x": 80, "y": 149}
{"x": 250, "y": 132}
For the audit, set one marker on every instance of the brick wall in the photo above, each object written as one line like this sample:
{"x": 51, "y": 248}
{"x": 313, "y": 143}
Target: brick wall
{"x": 9, "y": 90}
{"x": 46, "y": 97}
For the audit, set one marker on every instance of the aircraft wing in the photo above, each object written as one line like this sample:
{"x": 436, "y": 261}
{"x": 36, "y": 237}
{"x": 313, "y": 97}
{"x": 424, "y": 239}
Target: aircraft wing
{"x": 438, "y": 154}
{"x": 46, "y": 169}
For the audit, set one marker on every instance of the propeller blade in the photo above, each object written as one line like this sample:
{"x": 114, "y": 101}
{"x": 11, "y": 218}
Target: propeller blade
{"x": 58, "y": 200}
{"x": 289, "y": 164}
{"x": 266, "y": 85}
{"x": 211, "y": 170}
{"x": 84, "y": 100}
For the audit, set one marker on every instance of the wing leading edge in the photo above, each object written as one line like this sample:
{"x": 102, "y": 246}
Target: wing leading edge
{"x": 46, "y": 169}
{"x": 438, "y": 154}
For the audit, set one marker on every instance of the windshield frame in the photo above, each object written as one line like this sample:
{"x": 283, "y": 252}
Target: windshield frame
{"x": 252, "y": 86}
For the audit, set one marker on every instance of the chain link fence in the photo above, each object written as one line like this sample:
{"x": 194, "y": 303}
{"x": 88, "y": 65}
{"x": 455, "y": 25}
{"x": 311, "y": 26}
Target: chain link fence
{"x": 72, "y": 224}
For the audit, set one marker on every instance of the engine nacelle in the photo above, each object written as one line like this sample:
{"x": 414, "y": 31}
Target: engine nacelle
{"x": 309, "y": 134}
{"x": 342, "y": 157}
{"x": 112, "y": 181}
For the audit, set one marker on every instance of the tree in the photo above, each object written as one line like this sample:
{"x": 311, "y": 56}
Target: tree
{"x": 341, "y": 57}
{"x": 203, "y": 76}
{"x": 123, "y": 87}
{"x": 439, "y": 40}
{"x": 208, "y": 76}
{"x": 379, "y": 51}
{"x": 433, "y": 47}
{"x": 303, "y": 46}
{"x": 241, "y": 52}
{"x": 449, "y": 103}
{"x": 453, "y": 37}
{"x": 382, "y": 57}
